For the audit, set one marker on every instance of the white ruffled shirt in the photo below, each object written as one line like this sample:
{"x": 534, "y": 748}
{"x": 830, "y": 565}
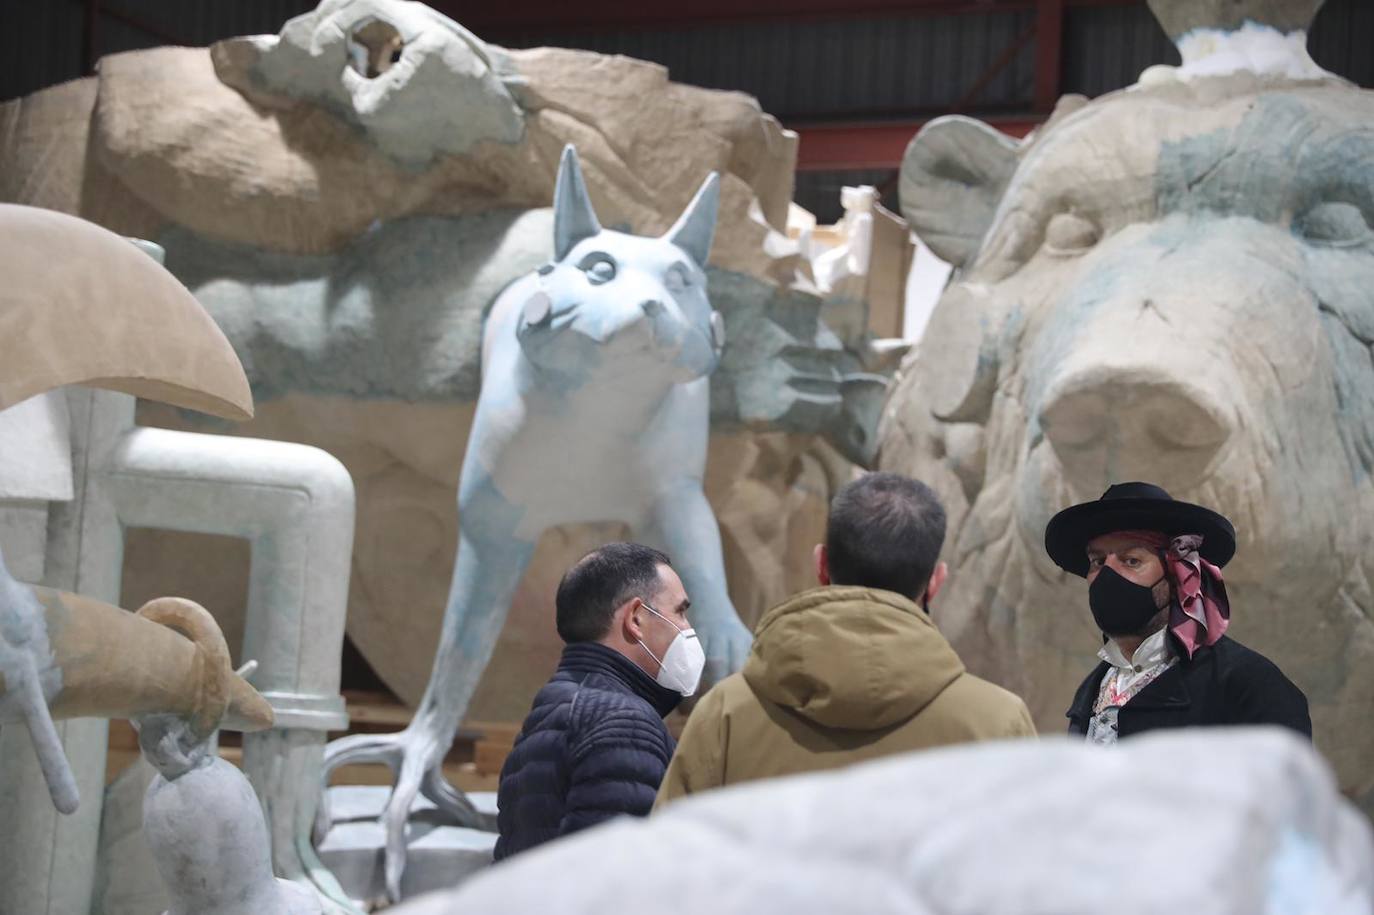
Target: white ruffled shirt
{"x": 1152, "y": 658}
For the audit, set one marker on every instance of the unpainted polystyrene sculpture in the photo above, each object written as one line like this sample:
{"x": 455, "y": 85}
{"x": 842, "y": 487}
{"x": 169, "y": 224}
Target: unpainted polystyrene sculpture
{"x": 201, "y": 818}
{"x": 593, "y": 407}
{"x": 1168, "y": 283}
{"x": 1003, "y": 828}
{"x": 295, "y": 503}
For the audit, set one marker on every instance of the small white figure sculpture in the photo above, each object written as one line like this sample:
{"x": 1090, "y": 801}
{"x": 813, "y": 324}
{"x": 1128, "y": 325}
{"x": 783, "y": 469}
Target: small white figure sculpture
{"x": 594, "y": 407}
{"x": 201, "y": 819}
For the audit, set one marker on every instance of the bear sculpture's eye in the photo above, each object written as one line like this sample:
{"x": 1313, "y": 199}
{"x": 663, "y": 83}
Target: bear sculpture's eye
{"x": 599, "y": 268}
{"x": 1069, "y": 233}
{"x": 677, "y": 279}
{"x": 1336, "y": 225}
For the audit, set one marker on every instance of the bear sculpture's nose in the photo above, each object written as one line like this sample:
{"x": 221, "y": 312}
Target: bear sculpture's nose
{"x": 1111, "y": 424}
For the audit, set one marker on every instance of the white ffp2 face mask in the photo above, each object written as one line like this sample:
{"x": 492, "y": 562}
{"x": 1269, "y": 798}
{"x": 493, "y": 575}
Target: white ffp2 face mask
{"x": 681, "y": 665}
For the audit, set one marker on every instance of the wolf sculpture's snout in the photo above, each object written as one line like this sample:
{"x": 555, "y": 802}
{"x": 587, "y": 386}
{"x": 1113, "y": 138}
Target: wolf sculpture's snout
{"x": 538, "y": 309}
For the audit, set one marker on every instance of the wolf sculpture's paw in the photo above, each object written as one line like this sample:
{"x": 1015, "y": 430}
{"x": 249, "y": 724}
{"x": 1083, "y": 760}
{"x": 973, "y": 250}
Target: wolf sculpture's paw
{"x": 727, "y": 644}
{"x": 415, "y": 757}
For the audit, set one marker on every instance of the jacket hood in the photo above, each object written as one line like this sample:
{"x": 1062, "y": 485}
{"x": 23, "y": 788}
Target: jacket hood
{"x": 853, "y": 658}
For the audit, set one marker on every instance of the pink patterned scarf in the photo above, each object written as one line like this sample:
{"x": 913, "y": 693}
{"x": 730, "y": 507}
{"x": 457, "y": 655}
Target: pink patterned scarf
{"x": 1200, "y": 611}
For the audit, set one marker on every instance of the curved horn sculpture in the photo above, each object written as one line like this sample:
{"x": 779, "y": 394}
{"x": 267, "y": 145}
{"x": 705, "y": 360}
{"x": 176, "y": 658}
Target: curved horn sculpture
{"x": 169, "y": 658}
{"x": 186, "y": 361}
{"x": 87, "y": 658}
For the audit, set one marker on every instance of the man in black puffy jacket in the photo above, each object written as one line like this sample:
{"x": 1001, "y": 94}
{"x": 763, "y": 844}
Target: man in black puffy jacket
{"x": 594, "y": 744}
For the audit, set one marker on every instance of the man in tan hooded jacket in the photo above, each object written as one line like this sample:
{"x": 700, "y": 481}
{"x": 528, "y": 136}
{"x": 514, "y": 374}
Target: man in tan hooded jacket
{"x": 853, "y": 669}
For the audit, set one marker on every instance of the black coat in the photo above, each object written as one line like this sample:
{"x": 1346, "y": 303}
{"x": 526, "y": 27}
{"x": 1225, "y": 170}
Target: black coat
{"x": 593, "y": 746}
{"x": 1224, "y": 684}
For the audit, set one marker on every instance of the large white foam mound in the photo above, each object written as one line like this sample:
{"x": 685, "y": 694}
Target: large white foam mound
{"x": 1209, "y": 822}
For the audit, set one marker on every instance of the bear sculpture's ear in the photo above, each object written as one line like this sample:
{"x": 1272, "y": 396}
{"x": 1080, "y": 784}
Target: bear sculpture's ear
{"x": 696, "y": 226}
{"x": 573, "y": 216}
{"x": 953, "y": 176}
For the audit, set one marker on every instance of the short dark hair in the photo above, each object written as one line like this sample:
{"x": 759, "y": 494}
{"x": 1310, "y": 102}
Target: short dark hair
{"x": 885, "y": 531}
{"x": 601, "y": 581}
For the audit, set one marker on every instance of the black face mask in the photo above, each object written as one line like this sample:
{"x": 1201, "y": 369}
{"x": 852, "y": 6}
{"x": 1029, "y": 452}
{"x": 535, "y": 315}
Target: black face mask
{"x": 1119, "y": 606}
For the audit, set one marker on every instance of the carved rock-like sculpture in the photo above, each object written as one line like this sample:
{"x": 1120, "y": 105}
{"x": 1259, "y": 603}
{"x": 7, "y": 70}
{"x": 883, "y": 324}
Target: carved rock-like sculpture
{"x": 351, "y": 264}
{"x": 398, "y": 85}
{"x": 1169, "y": 283}
{"x": 594, "y": 407}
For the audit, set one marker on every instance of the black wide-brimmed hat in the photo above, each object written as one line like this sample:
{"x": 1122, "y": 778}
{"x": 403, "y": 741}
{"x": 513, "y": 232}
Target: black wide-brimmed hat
{"x": 1135, "y": 507}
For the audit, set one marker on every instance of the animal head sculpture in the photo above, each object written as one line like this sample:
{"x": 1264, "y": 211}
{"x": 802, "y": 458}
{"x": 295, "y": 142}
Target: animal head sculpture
{"x": 611, "y": 304}
{"x": 1168, "y": 283}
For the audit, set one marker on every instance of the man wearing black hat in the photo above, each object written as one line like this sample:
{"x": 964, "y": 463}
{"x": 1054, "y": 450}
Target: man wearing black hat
{"x": 1153, "y": 566}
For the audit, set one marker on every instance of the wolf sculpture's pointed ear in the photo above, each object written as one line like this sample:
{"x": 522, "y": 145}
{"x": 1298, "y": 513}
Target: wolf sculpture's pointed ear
{"x": 573, "y": 216}
{"x": 696, "y": 226}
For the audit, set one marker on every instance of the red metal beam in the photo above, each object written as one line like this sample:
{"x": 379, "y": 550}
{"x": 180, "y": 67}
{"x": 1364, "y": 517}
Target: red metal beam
{"x": 90, "y": 37}
{"x": 1049, "y": 39}
{"x": 842, "y": 147}
{"x": 484, "y": 16}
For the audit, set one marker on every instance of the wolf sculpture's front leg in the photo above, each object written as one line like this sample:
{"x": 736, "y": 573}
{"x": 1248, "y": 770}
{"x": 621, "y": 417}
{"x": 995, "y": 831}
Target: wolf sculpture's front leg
{"x": 490, "y": 561}
{"x": 681, "y": 521}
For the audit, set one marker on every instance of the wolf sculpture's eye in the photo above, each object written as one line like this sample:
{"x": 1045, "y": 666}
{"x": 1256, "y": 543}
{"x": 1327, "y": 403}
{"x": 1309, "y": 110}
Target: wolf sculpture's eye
{"x": 599, "y": 268}
{"x": 677, "y": 279}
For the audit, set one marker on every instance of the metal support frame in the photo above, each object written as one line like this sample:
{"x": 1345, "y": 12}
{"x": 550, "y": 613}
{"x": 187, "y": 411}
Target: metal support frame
{"x": 822, "y": 147}
{"x": 844, "y": 147}
{"x": 881, "y": 146}
{"x": 1049, "y": 39}
{"x": 480, "y": 15}
{"x": 1000, "y": 63}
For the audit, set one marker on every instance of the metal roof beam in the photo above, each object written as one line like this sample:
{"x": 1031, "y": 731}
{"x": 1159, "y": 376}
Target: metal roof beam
{"x": 845, "y": 147}
{"x": 480, "y": 15}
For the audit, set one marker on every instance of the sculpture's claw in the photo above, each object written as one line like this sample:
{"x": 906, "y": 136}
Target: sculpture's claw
{"x": 355, "y": 748}
{"x": 394, "y": 817}
{"x": 727, "y": 643}
{"x": 410, "y": 754}
{"x": 57, "y": 772}
{"x": 24, "y": 652}
{"x": 452, "y": 803}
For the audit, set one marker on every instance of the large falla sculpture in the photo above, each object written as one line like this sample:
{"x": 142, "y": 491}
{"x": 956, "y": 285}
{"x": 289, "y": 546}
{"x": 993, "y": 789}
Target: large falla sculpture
{"x": 602, "y": 356}
{"x": 1166, "y": 283}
